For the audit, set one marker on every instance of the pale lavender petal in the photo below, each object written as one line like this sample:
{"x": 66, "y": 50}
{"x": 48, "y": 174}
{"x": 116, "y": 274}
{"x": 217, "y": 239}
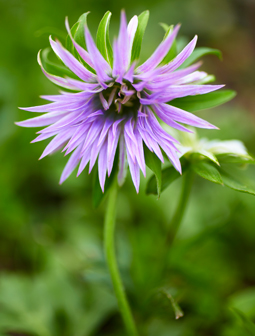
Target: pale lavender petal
{"x": 180, "y": 58}
{"x": 130, "y": 73}
{"x": 122, "y": 172}
{"x": 43, "y": 120}
{"x": 102, "y": 165}
{"x": 160, "y": 52}
{"x": 99, "y": 63}
{"x": 103, "y": 101}
{"x": 131, "y": 30}
{"x": 93, "y": 132}
{"x": 71, "y": 164}
{"x": 134, "y": 170}
{"x": 178, "y": 91}
{"x": 140, "y": 153}
{"x": 113, "y": 138}
{"x": 71, "y": 62}
{"x": 57, "y": 142}
{"x": 43, "y": 137}
{"x": 172, "y": 155}
{"x": 84, "y": 160}
{"x": 167, "y": 112}
{"x": 82, "y": 52}
{"x": 192, "y": 78}
{"x": 94, "y": 153}
{"x": 63, "y": 82}
{"x": 107, "y": 124}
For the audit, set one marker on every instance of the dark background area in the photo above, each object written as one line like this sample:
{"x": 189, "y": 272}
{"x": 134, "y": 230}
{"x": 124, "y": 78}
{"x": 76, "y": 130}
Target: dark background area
{"x": 53, "y": 278}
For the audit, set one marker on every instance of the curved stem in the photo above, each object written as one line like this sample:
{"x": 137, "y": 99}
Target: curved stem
{"x": 112, "y": 262}
{"x": 181, "y": 207}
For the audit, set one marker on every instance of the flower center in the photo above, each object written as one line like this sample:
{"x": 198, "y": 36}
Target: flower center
{"x": 120, "y": 99}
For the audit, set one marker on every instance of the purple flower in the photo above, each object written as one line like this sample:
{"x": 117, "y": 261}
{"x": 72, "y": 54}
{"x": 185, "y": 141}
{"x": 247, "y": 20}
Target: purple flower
{"x": 118, "y": 106}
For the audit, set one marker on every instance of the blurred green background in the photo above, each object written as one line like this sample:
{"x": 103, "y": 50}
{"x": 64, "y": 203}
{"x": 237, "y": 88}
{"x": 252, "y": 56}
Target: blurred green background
{"x": 53, "y": 278}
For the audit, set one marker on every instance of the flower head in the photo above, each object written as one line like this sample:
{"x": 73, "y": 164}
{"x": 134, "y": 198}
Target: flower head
{"x": 115, "y": 106}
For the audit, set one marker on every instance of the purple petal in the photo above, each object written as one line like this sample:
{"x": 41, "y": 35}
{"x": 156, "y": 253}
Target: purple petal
{"x": 99, "y": 63}
{"x": 102, "y": 165}
{"x": 178, "y": 91}
{"x": 43, "y": 120}
{"x": 57, "y": 142}
{"x": 82, "y": 52}
{"x": 71, "y": 164}
{"x": 63, "y": 82}
{"x": 140, "y": 153}
{"x": 71, "y": 62}
{"x": 122, "y": 161}
{"x": 134, "y": 170}
{"x": 180, "y": 58}
{"x": 113, "y": 138}
{"x": 160, "y": 52}
{"x": 84, "y": 160}
{"x": 169, "y": 113}
{"x": 131, "y": 30}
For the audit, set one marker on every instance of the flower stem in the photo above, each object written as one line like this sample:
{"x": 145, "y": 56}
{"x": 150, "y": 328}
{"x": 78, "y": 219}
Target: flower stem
{"x": 112, "y": 262}
{"x": 181, "y": 207}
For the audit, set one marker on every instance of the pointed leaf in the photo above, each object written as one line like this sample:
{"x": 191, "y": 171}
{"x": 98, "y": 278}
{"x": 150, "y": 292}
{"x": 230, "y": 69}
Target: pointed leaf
{"x": 204, "y": 101}
{"x": 198, "y": 53}
{"x": 154, "y": 163}
{"x": 207, "y": 171}
{"x": 103, "y": 40}
{"x": 238, "y": 159}
{"x": 169, "y": 175}
{"x": 142, "y": 23}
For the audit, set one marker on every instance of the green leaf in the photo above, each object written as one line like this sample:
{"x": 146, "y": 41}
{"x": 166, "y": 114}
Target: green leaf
{"x": 201, "y": 102}
{"x": 80, "y": 31}
{"x": 198, "y": 53}
{"x": 103, "y": 40}
{"x": 247, "y": 324}
{"x": 169, "y": 175}
{"x": 154, "y": 163}
{"x": 238, "y": 183}
{"x": 173, "y": 50}
{"x": 207, "y": 171}
{"x": 54, "y": 68}
{"x": 142, "y": 23}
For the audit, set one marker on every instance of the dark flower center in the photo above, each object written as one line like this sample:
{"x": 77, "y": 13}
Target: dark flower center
{"x": 120, "y": 99}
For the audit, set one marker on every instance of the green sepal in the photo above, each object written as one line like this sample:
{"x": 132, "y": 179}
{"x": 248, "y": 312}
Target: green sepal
{"x": 54, "y": 68}
{"x": 169, "y": 175}
{"x": 154, "y": 163}
{"x": 198, "y": 53}
{"x": 203, "y": 101}
{"x": 103, "y": 40}
{"x": 207, "y": 171}
{"x": 97, "y": 194}
{"x": 142, "y": 23}
{"x": 237, "y": 159}
{"x": 173, "y": 50}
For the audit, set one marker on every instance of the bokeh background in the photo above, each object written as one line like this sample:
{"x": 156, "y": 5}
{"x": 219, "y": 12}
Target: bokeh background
{"x": 53, "y": 278}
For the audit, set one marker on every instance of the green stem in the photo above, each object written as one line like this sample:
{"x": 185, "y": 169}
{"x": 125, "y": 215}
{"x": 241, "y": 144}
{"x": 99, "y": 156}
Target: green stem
{"x": 112, "y": 262}
{"x": 181, "y": 207}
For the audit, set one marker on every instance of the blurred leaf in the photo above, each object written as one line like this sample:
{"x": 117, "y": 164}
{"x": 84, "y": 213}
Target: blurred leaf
{"x": 207, "y": 171}
{"x": 142, "y": 23}
{"x": 198, "y": 53}
{"x": 238, "y": 183}
{"x": 173, "y": 50}
{"x": 154, "y": 163}
{"x": 205, "y": 101}
{"x": 230, "y": 159}
{"x": 244, "y": 300}
{"x": 103, "y": 40}
{"x": 247, "y": 324}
